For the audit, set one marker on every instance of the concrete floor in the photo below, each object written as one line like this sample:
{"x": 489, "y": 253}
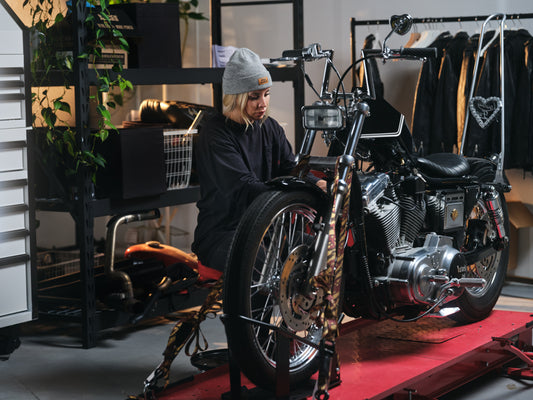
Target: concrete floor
{"x": 51, "y": 365}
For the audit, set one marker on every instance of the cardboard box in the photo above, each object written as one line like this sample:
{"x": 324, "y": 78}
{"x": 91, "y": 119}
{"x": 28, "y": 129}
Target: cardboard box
{"x": 520, "y": 235}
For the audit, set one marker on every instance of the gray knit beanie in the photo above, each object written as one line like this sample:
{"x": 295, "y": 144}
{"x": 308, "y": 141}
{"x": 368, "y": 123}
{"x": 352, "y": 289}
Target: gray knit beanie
{"x": 244, "y": 73}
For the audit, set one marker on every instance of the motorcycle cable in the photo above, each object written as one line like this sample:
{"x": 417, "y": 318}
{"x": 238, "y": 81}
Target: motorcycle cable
{"x": 443, "y": 296}
{"x": 310, "y": 82}
{"x": 352, "y": 66}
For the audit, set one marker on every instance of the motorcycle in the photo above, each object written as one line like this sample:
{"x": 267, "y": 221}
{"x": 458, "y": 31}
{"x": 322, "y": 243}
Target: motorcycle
{"x": 397, "y": 236}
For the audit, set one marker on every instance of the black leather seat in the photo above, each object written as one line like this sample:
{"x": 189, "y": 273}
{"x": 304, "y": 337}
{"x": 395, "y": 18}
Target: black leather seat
{"x": 443, "y": 165}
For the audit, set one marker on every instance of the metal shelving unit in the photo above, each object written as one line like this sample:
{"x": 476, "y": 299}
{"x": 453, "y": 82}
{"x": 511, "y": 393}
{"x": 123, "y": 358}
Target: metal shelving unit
{"x": 85, "y": 208}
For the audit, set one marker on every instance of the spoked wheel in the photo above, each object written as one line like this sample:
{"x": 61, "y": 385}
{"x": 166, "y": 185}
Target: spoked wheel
{"x": 477, "y": 303}
{"x": 265, "y": 279}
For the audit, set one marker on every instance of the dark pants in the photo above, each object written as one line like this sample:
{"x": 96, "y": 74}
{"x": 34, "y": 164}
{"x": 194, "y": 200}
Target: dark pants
{"x": 218, "y": 252}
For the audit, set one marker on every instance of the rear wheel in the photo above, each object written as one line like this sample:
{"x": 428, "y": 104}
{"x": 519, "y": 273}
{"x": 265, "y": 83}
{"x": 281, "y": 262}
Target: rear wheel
{"x": 266, "y": 270}
{"x": 477, "y": 303}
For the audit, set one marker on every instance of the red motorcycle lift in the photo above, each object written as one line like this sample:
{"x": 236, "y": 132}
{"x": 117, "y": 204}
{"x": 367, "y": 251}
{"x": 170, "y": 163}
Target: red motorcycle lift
{"x": 388, "y": 359}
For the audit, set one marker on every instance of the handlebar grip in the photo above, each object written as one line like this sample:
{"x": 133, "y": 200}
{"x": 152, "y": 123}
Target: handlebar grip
{"x": 372, "y": 52}
{"x": 293, "y": 53}
{"x": 422, "y": 52}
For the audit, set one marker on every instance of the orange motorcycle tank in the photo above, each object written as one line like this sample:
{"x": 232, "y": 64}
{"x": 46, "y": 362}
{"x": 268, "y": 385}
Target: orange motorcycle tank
{"x": 168, "y": 255}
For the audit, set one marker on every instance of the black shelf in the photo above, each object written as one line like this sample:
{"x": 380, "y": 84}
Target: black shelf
{"x": 109, "y": 206}
{"x": 85, "y": 208}
{"x": 172, "y": 76}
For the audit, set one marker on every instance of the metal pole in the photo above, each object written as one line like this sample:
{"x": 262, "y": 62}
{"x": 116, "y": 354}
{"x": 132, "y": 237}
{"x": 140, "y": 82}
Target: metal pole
{"x": 499, "y": 167}
{"x": 479, "y": 54}
{"x": 84, "y": 214}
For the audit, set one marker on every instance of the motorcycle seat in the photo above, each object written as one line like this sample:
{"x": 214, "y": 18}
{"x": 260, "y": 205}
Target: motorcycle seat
{"x": 443, "y": 165}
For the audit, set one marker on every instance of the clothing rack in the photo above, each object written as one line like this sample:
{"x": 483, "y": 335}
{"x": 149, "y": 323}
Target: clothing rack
{"x": 435, "y": 20}
{"x": 429, "y": 20}
{"x": 502, "y": 18}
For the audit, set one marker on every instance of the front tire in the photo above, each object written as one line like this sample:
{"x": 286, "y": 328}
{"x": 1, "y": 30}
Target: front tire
{"x": 266, "y": 267}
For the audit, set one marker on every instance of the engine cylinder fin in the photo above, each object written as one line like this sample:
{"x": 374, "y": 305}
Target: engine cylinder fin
{"x": 383, "y": 221}
{"x": 413, "y": 217}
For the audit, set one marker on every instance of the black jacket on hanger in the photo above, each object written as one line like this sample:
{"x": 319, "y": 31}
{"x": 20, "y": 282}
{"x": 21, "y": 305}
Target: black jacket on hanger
{"x": 529, "y": 84}
{"x": 518, "y": 108}
{"x": 424, "y": 104}
{"x": 444, "y": 123}
{"x": 486, "y": 141}
{"x": 374, "y": 70}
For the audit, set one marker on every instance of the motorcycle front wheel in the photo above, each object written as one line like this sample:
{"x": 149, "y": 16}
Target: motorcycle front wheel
{"x": 265, "y": 274}
{"x": 477, "y": 303}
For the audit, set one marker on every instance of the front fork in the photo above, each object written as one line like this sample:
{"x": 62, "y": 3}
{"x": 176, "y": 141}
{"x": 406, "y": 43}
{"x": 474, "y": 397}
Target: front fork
{"x": 320, "y": 252}
{"x": 346, "y": 162}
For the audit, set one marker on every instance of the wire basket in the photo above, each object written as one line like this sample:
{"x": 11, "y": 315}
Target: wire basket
{"x": 56, "y": 263}
{"x": 178, "y": 157}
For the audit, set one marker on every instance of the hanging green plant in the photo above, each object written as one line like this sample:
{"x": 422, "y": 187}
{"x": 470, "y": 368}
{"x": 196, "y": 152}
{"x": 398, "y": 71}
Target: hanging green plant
{"x": 52, "y": 54}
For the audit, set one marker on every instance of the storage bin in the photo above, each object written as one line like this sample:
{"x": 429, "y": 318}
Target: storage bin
{"x": 178, "y": 157}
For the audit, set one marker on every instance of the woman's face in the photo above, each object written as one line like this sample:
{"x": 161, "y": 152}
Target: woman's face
{"x": 257, "y": 104}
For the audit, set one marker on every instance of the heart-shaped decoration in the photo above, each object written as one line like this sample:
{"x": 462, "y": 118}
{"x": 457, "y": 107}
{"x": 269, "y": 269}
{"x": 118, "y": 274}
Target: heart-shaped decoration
{"x": 485, "y": 110}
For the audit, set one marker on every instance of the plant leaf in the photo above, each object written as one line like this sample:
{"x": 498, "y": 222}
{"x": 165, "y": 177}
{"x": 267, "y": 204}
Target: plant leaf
{"x": 62, "y": 105}
{"x": 99, "y": 160}
{"x": 104, "y": 112}
{"x": 59, "y": 17}
{"x": 198, "y": 16}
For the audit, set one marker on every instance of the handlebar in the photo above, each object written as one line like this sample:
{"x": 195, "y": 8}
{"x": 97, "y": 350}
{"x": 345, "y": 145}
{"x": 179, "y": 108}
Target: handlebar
{"x": 422, "y": 52}
{"x": 309, "y": 53}
{"x": 403, "y": 52}
{"x": 315, "y": 52}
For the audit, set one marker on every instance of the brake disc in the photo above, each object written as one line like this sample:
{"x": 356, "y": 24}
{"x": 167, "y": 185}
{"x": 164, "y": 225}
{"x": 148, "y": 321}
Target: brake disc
{"x": 296, "y": 306}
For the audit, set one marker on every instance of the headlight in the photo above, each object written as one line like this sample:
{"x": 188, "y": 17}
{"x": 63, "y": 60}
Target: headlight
{"x": 322, "y": 117}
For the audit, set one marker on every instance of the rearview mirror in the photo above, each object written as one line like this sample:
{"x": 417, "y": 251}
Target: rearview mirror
{"x": 401, "y": 24}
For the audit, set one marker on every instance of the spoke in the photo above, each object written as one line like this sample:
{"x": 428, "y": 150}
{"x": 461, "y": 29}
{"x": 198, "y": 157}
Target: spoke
{"x": 287, "y": 231}
{"x": 291, "y": 230}
{"x": 266, "y": 305}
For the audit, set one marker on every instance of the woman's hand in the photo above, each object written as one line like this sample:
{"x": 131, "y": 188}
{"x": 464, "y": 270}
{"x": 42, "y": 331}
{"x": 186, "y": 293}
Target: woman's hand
{"x": 322, "y": 184}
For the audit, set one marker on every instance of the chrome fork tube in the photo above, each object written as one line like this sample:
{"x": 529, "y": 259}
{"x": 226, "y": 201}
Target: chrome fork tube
{"x": 345, "y": 163}
{"x": 321, "y": 244}
{"x": 307, "y": 145}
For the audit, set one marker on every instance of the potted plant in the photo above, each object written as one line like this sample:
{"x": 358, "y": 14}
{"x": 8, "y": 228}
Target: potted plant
{"x": 56, "y": 134}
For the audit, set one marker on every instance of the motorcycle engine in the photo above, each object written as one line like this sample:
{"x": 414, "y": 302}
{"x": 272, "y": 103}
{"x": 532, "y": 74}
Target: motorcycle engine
{"x": 417, "y": 274}
{"x": 413, "y": 275}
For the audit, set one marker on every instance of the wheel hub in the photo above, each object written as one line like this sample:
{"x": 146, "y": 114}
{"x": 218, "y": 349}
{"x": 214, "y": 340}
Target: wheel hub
{"x": 296, "y": 306}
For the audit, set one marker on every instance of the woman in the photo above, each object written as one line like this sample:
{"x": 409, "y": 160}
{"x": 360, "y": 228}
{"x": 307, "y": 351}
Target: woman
{"x": 236, "y": 153}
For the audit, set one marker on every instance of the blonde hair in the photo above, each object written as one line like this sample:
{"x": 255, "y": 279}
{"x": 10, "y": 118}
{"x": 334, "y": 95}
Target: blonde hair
{"x": 238, "y": 101}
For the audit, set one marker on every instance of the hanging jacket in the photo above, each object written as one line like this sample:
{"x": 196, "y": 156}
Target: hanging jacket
{"x": 486, "y": 141}
{"x": 374, "y": 70}
{"x": 529, "y": 71}
{"x": 518, "y": 107}
{"x": 477, "y": 140}
{"x": 463, "y": 85}
{"x": 424, "y": 104}
{"x": 444, "y": 123}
